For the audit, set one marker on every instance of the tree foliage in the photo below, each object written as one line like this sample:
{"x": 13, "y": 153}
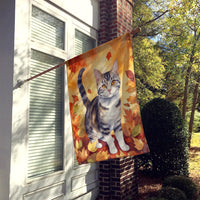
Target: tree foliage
{"x": 149, "y": 67}
{"x": 172, "y": 29}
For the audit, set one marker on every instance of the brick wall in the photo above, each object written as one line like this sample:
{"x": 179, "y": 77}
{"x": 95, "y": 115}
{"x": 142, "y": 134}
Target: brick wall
{"x": 115, "y": 19}
{"x": 117, "y": 177}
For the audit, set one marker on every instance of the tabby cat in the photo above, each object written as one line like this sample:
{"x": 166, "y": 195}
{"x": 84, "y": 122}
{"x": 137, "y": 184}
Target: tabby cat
{"x": 103, "y": 113}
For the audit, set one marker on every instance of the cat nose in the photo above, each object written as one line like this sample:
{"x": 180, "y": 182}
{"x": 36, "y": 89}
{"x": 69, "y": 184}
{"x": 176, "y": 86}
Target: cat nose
{"x": 109, "y": 90}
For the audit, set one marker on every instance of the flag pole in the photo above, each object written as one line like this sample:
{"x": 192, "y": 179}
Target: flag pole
{"x": 20, "y": 83}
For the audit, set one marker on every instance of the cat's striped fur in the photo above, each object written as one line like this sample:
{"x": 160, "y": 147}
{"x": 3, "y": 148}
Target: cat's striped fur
{"x": 103, "y": 113}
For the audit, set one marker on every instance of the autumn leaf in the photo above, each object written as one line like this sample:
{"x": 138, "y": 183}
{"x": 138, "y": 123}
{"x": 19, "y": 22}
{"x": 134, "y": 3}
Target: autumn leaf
{"x": 75, "y": 124}
{"x": 128, "y": 115}
{"x": 78, "y": 144}
{"x": 76, "y": 64}
{"x": 72, "y": 68}
{"x": 130, "y": 75}
{"x": 126, "y": 129}
{"x": 138, "y": 144}
{"x": 75, "y": 129}
{"x": 129, "y": 140}
{"x": 89, "y": 91}
{"x": 127, "y": 104}
{"x": 121, "y": 154}
{"x": 82, "y": 155}
{"x": 108, "y": 55}
{"x": 136, "y": 131}
{"x": 132, "y": 99}
{"x": 76, "y": 120}
{"x": 131, "y": 89}
{"x": 131, "y": 84}
{"x": 102, "y": 155}
{"x": 81, "y": 132}
{"x": 92, "y": 146}
{"x": 75, "y": 98}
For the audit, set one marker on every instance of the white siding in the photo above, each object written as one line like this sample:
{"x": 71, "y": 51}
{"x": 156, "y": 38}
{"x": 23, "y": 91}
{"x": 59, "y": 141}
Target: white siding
{"x": 87, "y": 11}
{"x": 6, "y": 87}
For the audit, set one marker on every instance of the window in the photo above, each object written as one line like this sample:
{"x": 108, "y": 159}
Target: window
{"x": 46, "y": 28}
{"x": 83, "y": 42}
{"x": 45, "y": 138}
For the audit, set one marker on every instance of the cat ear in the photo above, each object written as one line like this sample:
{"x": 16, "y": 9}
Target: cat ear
{"x": 97, "y": 75}
{"x": 115, "y": 67}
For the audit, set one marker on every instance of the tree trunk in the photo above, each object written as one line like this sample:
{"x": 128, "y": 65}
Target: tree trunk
{"x": 193, "y": 109}
{"x": 188, "y": 74}
{"x": 185, "y": 91}
{"x": 198, "y": 99}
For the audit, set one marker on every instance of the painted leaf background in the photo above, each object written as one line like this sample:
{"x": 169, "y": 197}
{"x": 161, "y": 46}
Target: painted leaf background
{"x": 102, "y": 58}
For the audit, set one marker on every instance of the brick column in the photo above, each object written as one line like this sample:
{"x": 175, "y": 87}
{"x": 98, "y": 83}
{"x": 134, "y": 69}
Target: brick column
{"x": 117, "y": 177}
{"x": 115, "y": 19}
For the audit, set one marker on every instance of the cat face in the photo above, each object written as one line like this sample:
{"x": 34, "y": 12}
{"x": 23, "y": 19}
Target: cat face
{"x": 108, "y": 84}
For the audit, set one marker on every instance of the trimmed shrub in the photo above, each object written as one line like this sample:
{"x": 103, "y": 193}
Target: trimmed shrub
{"x": 171, "y": 193}
{"x": 167, "y": 138}
{"x": 183, "y": 183}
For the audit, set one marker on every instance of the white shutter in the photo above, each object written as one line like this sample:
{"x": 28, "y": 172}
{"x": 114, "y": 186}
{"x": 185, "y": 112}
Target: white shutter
{"x": 46, "y": 28}
{"x": 83, "y": 43}
{"x": 45, "y": 138}
{"x": 45, "y": 141}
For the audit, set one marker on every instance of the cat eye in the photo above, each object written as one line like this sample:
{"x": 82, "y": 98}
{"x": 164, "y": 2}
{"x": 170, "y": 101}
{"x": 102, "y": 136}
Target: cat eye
{"x": 113, "y": 82}
{"x": 104, "y": 86}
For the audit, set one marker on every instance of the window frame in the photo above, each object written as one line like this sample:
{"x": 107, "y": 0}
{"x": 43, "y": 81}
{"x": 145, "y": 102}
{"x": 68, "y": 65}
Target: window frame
{"x": 66, "y": 53}
{"x": 55, "y": 52}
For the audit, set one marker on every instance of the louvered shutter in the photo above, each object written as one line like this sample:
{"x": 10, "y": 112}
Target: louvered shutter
{"x": 45, "y": 142}
{"x": 45, "y": 134}
{"x": 46, "y": 28}
{"x": 83, "y": 43}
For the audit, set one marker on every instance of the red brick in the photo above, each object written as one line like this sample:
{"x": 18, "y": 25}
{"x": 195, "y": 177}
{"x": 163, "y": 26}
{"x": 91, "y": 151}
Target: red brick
{"x": 118, "y": 178}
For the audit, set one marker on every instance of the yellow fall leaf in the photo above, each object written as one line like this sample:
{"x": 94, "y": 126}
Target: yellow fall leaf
{"x": 81, "y": 132}
{"x": 138, "y": 144}
{"x": 102, "y": 156}
{"x": 79, "y": 144}
{"x": 92, "y": 146}
{"x": 121, "y": 154}
{"x": 82, "y": 155}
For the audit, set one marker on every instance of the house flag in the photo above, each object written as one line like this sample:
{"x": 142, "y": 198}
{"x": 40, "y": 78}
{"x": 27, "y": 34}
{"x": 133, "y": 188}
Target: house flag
{"x": 104, "y": 109}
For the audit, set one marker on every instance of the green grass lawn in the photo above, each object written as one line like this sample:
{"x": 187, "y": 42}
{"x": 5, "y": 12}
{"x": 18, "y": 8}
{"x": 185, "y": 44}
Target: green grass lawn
{"x": 194, "y": 160}
{"x": 195, "y": 142}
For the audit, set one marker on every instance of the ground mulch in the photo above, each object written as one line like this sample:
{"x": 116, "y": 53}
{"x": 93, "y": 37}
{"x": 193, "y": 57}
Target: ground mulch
{"x": 148, "y": 186}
